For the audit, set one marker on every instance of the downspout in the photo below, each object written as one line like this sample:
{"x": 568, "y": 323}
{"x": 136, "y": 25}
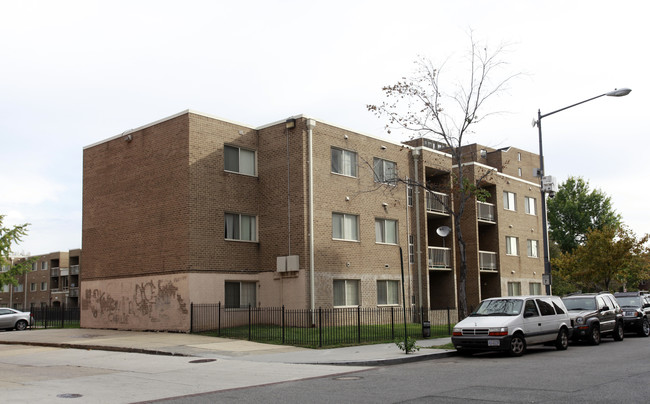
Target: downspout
{"x": 312, "y": 298}
{"x": 416, "y": 155}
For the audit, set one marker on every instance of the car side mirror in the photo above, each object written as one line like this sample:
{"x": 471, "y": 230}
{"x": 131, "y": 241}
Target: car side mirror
{"x": 605, "y": 308}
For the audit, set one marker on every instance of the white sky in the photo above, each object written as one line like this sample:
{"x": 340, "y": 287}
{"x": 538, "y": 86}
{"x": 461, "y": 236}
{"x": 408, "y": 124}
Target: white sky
{"x": 73, "y": 73}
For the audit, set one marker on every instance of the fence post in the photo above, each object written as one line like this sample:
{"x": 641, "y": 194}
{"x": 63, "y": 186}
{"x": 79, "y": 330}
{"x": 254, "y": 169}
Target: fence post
{"x": 358, "y": 324}
{"x": 219, "y": 319}
{"x": 283, "y": 324}
{"x": 249, "y": 322}
{"x": 448, "y": 321}
{"x": 392, "y": 323}
{"x": 63, "y": 315}
{"x": 45, "y": 312}
{"x": 191, "y": 317}
{"x": 320, "y": 327}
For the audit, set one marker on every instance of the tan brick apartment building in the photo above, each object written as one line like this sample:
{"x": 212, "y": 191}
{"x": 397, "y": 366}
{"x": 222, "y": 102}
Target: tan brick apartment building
{"x": 300, "y": 213}
{"x": 53, "y": 281}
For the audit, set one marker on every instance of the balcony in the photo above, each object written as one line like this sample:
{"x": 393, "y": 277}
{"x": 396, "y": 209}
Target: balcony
{"x": 439, "y": 258}
{"x": 73, "y": 292}
{"x": 485, "y": 212}
{"x": 55, "y": 272}
{"x": 487, "y": 261}
{"x": 437, "y": 202}
{"x": 74, "y": 269}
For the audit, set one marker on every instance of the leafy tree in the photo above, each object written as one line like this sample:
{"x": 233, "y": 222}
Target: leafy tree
{"x": 8, "y": 237}
{"x": 575, "y": 210}
{"x": 423, "y": 106}
{"x": 613, "y": 254}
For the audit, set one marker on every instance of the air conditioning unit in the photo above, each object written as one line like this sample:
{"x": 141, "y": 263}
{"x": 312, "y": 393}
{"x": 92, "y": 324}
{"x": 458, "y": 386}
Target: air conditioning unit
{"x": 289, "y": 263}
{"x": 549, "y": 184}
{"x": 281, "y": 264}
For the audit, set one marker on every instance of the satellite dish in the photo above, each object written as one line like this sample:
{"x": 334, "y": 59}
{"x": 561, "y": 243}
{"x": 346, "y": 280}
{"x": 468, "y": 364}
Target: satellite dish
{"x": 443, "y": 231}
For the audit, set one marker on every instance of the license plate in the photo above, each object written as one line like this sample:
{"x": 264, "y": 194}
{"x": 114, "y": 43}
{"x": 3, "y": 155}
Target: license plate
{"x": 494, "y": 342}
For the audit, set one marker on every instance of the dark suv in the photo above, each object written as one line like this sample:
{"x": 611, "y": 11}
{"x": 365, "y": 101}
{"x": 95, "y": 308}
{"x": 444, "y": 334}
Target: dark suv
{"x": 636, "y": 311}
{"x": 594, "y": 315}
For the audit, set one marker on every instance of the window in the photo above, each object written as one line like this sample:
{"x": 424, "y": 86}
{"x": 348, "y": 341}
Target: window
{"x": 514, "y": 289}
{"x": 240, "y": 294}
{"x": 532, "y": 247}
{"x": 43, "y": 265}
{"x": 18, "y": 288}
{"x": 43, "y": 285}
{"x": 512, "y": 247}
{"x": 239, "y": 160}
{"x": 535, "y": 288}
{"x": 346, "y": 292}
{"x": 387, "y": 292}
{"x": 240, "y": 227}
{"x": 518, "y": 156}
{"x": 530, "y": 310}
{"x": 385, "y": 171}
{"x": 530, "y": 205}
{"x": 409, "y": 195}
{"x": 344, "y": 162}
{"x": 345, "y": 227}
{"x": 519, "y": 171}
{"x": 32, "y": 287}
{"x": 411, "y": 249}
{"x": 509, "y": 199}
{"x": 34, "y": 266}
{"x": 5, "y": 288}
{"x": 386, "y": 231}
{"x": 545, "y": 307}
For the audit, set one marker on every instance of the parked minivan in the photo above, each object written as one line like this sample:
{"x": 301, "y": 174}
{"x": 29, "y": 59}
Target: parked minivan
{"x": 512, "y": 323}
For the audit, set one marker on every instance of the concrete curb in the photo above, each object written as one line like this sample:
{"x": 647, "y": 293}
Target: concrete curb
{"x": 97, "y": 348}
{"x": 386, "y": 362}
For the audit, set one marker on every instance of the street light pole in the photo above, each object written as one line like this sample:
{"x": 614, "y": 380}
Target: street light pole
{"x": 547, "y": 264}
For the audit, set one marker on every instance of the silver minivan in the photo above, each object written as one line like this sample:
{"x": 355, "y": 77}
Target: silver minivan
{"x": 512, "y": 323}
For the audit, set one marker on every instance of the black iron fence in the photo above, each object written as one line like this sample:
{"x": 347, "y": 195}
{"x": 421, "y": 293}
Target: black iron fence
{"x": 55, "y": 317}
{"x": 321, "y": 327}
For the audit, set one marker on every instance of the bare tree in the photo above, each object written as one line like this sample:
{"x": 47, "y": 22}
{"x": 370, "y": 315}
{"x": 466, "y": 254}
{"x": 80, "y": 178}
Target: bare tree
{"x": 421, "y": 106}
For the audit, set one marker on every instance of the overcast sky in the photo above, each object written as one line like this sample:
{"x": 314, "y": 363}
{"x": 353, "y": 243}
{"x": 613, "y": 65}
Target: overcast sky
{"x": 73, "y": 73}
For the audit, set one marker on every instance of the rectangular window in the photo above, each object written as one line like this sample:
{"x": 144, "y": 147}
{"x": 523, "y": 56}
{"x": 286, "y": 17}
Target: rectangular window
{"x": 518, "y": 156}
{"x": 34, "y": 266}
{"x": 409, "y": 195}
{"x": 514, "y": 288}
{"x": 346, "y": 292}
{"x": 240, "y": 294}
{"x": 32, "y": 287}
{"x": 18, "y": 288}
{"x": 386, "y": 231}
{"x": 239, "y": 160}
{"x": 535, "y": 288}
{"x": 509, "y": 200}
{"x": 385, "y": 171}
{"x": 387, "y": 292}
{"x": 44, "y": 265}
{"x": 519, "y": 171}
{"x": 344, "y": 162}
{"x": 530, "y": 205}
{"x": 240, "y": 227}
{"x": 5, "y": 288}
{"x": 345, "y": 227}
{"x": 411, "y": 249}
{"x": 533, "y": 249}
{"x": 43, "y": 285}
{"x": 512, "y": 245}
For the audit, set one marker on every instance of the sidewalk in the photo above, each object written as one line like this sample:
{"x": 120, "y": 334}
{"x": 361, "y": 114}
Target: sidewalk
{"x": 163, "y": 343}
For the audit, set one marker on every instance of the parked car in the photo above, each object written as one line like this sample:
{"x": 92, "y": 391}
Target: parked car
{"x": 594, "y": 315}
{"x": 512, "y": 324}
{"x": 10, "y": 319}
{"x": 636, "y": 312}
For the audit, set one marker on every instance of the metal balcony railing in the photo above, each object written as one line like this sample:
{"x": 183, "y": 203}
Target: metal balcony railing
{"x": 439, "y": 258}
{"x": 74, "y": 269}
{"x": 436, "y": 202}
{"x": 55, "y": 271}
{"x": 485, "y": 211}
{"x": 487, "y": 261}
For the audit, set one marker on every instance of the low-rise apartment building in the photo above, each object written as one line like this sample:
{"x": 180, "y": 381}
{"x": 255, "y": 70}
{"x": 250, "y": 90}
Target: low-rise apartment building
{"x": 53, "y": 281}
{"x": 298, "y": 213}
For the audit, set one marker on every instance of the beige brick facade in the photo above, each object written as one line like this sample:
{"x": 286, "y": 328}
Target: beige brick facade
{"x": 159, "y": 209}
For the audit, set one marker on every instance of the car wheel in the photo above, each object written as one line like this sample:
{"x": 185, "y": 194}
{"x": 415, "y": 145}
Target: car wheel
{"x": 562, "y": 341}
{"x": 645, "y": 328}
{"x": 594, "y": 335}
{"x": 517, "y": 345}
{"x": 21, "y": 325}
{"x": 619, "y": 332}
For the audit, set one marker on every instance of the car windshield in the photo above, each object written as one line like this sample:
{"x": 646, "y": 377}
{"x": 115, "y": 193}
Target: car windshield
{"x": 580, "y": 303}
{"x": 499, "y": 307}
{"x": 630, "y": 301}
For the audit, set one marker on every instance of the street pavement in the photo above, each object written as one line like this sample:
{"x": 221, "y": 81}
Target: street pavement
{"x": 191, "y": 345}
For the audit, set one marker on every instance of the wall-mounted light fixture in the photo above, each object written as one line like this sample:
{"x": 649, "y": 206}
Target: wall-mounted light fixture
{"x": 128, "y": 138}
{"x": 290, "y": 123}
{"x": 383, "y": 147}
{"x": 384, "y": 204}
{"x": 345, "y": 137}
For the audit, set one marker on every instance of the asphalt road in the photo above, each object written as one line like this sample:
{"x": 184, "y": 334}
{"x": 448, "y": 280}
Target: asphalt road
{"x": 614, "y": 372}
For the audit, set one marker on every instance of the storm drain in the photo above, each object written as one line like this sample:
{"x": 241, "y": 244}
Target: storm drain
{"x": 348, "y": 378}
{"x": 69, "y": 395}
{"x": 202, "y": 360}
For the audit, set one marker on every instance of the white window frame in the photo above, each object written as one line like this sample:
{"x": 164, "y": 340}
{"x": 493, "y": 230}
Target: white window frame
{"x": 409, "y": 195}
{"x": 346, "y": 286}
{"x": 530, "y": 205}
{"x": 387, "y": 292}
{"x": 345, "y": 226}
{"x": 535, "y": 288}
{"x": 346, "y": 162}
{"x": 509, "y": 201}
{"x": 236, "y": 234}
{"x": 19, "y": 288}
{"x": 411, "y": 249}
{"x": 512, "y": 243}
{"x": 32, "y": 287}
{"x": 514, "y": 288}
{"x": 241, "y": 169}
{"x": 44, "y": 265}
{"x": 43, "y": 286}
{"x": 383, "y": 231}
{"x": 532, "y": 248}
{"x": 385, "y": 171}
{"x": 247, "y": 292}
